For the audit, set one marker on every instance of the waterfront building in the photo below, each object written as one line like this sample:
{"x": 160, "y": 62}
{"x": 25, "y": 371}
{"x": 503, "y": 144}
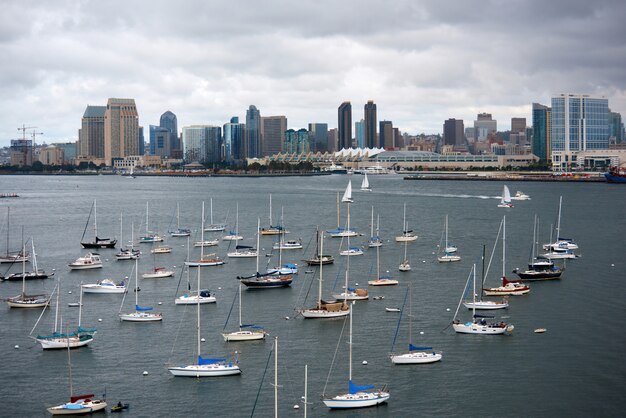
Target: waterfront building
{"x": 344, "y": 126}
{"x": 318, "y": 137}
{"x": 616, "y": 128}
{"x": 296, "y": 141}
{"x": 169, "y": 121}
{"x": 359, "y": 133}
{"x": 160, "y": 141}
{"x": 21, "y": 152}
{"x": 386, "y": 139}
{"x": 69, "y": 151}
{"x": 51, "y": 155}
{"x": 518, "y": 125}
{"x": 453, "y": 132}
{"x": 91, "y": 132}
{"x": 202, "y": 144}
{"x": 542, "y": 132}
{"x": 484, "y": 126}
{"x": 273, "y": 134}
{"x": 252, "y": 148}
{"x": 121, "y": 129}
{"x": 371, "y": 140}
{"x": 233, "y": 143}
{"x": 332, "y": 139}
{"x": 579, "y": 122}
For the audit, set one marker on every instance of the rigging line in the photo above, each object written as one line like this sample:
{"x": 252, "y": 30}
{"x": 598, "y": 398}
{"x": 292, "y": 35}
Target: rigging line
{"x": 256, "y": 400}
{"x": 232, "y": 305}
{"x": 469, "y": 276}
{"x": 399, "y": 319}
{"x": 125, "y": 293}
{"x": 86, "y": 224}
{"x": 493, "y": 250}
{"x": 43, "y": 310}
{"x": 345, "y": 320}
{"x": 180, "y": 325}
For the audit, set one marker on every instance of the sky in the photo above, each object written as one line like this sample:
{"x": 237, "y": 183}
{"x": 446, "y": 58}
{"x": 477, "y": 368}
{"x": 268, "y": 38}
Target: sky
{"x": 420, "y": 61}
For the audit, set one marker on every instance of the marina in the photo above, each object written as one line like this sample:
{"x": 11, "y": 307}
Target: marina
{"x": 128, "y": 361}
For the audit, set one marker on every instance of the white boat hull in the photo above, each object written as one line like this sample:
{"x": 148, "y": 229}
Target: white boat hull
{"x": 357, "y": 400}
{"x": 204, "y": 263}
{"x": 87, "y": 288}
{"x": 406, "y": 238}
{"x": 486, "y": 305}
{"x": 232, "y": 238}
{"x": 247, "y": 254}
{"x": 194, "y": 300}
{"x": 416, "y": 357}
{"x": 344, "y": 234}
{"x": 382, "y": 282}
{"x": 78, "y": 408}
{"x": 205, "y": 370}
{"x": 158, "y": 275}
{"x": 62, "y": 342}
{"x": 471, "y": 328}
{"x": 74, "y": 266}
{"x": 244, "y": 335}
{"x": 448, "y": 258}
{"x": 351, "y": 252}
{"x": 210, "y": 243}
{"x": 351, "y": 296}
{"x": 322, "y": 313}
{"x": 36, "y": 303}
{"x": 141, "y": 317}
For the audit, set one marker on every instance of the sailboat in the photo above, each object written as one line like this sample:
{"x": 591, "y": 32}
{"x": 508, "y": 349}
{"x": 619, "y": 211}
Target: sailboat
{"x": 340, "y": 232}
{"x": 318, "y": 258}
{"x": 449, "y": 251}
{"x": 273, "y": 229}
{"x": 213, "y": 227}
{"x": 78, "y": 405}
{"x": 347, "y": 194}
{"x": 24, "y": 300}
{"x": 405, "y": 265}
{"x": 246, "y": 332}
{"x": 15, "y": 257}
{"x": 481, "y": 303}
{"x": 179, "y": 232}
{"x": 129, "y": 253}
{"x": 157, "y": 272}
{"x": 407, "y": 234}
{"x": 282, "y": 269}
{"x": 234, "y": 235}
{"x": 350, "y": 293}
{"x": 561, "y": 243}
{"x": 350, "y": 251}
{"x": 141, "y": 314}
{"x": 208, "y": 260}
{"x": 325, "y": 309}
{"x": 357, "y": 396}
{"x": 381, "y": 280}
{"x": 273, "y": 278}
{"x": 538, "y": 269}
{"x": 505, "y": 199}
{"x": 150, "y": 236}
{"x": 196, "y": 296}
{"x": 204, "y": 367}
{"x": 56, "y": 340}
{"x": 97, "y": 242}
{"x": 375, "y": 240}
{"x": 37, "y": 273}
{"x": 415, "y": 355}
{"x": 479, "y": 323}
{"x": 365, "y": 185}
{"x": 507, "y": 288}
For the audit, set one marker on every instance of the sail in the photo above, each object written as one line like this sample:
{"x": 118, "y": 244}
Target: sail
{"x": 355, "y": 389}
{"x": 347, "y": 195}
{"x": 415, "y": 348}
{"x": 139, "y": 308}
{"x": 506, "y": 195}
{"x": 202, "y": 360}
{"x": 365, "y": 184}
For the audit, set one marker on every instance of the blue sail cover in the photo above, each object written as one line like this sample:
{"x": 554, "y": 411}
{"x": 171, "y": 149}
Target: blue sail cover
{"x": 414, "y": 348}
{"x": 88, "y": 330}
{"x": 202, "y": 360}
{"x": 250, "y": 326}
{"x": 483, "y": 316}
{"x": 354, "y": 388}
{"x": 241, "y": 247}
{"x": 139, "y": 308}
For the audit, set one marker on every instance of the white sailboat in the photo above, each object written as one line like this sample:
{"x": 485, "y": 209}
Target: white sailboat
{"x": 340, "y": 232}
{"x": 179, "y": 232}
{"x": 129, "y": 253}
{"x": 415, "y": 355}
{"x": 479, "y": 323}
{"x": 505, "y": 199}
{"x": 365, "y": 185}
{"x": 375, "y": 240}
{"x": 234, "y": 235}
{"x": 485, "y": 304}
{"x": 273, "y": 229}
{"x": 350, "y": 293}
{"x": 347, "y": 194}
{"x": 407, "y": 234}
{"x": 449, "y": 251}
{"x": 381, "y": 280}
{"x": 196, "y": 296}
{"x": 150, "y": 236}
{"x": 246, "y": 332}
{"x": 141, "y": 314}
{"x": 325, "y": 309}
{"x": 204, "y": 260}
{"x": 561, "y": 243}
{"x": 204, "y": 367}
{"x": 24, "y": 300}
{"x": 88, "y": 261}
{"x": 357, "y": 396}
{"x": 350, "y": 250}
{"x": 13, "y": 257}
{"x": 78, "y": 405}
{"x": 157, "y": 272}
{"x": 213, "y": 227}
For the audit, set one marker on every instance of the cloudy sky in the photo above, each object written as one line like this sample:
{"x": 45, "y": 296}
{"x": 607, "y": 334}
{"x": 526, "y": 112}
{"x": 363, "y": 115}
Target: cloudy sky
{"x": 421, "y": 61}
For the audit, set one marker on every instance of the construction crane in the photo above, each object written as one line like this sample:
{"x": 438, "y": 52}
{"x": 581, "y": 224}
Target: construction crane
{"x": 24, "y": 128}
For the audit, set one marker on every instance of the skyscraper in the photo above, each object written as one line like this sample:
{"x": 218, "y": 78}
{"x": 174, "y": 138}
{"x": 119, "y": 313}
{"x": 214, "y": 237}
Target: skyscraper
{"x": 579, "y": 123}
{"x": 121, "y": 129}
{"x": 344, "y": 126}
{"x": 371, "y": 141}
{"x": 233, "y": 143}
{"x": 170, "y": 122}
{"x": 359, "y": 131}
{"x": 318, "y": 137}
{"x": 484, "y": 125}
{"x": 202, "y": 144}
{"x": 616, "y": 127}
{"x": 542, "y": 146}
{"x": 273, "y": 134}
{"x": 296, "y": 141}
{"x": 160, "y": 141}
{"x": 453, "y": 132}
{"x": 518, "y": 125}
{"x": 91, "y": 133}
{"x": 386, "y": 134}
{"x": 252, "y": 147}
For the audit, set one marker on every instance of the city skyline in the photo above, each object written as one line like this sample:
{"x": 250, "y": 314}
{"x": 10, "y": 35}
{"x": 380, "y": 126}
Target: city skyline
{"x": 420, "y": 63}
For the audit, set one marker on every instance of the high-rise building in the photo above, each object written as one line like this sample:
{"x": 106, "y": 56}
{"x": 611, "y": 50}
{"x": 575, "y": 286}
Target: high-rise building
{"x": 453, "y": 132}
{"x": 579, "y": 123}
{"x": 170, "y": 122}
{"x": 616, "y": 128}
{"x": 296, "y": 141}
{"x": 160, "y": 141}
{"x": 21, "y": 152}
{"x": 252, "y": 147}
{"x": 273, "y": 134}
{"x": 344, "y": 126}
{"x": 318, "y": 137}
{"x": 518, "y": 125}
{"x": 91, "y": 133}
{"x": 202, "y": 144}
{"x": 333, "y": 140}
{"x": 69, "y": 150}
{"x": 542, "y": 135}
{"x": 359, "y": 131}
{"x": 386, "y": 139}
{"x": 484, "y": 126}
{"x": 121, "y": 129}
{"x": 233, "y": 143}
{"x": 371, "y": 140}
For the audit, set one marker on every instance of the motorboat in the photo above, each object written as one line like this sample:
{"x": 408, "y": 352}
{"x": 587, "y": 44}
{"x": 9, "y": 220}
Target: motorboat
{"x": 104, "y": 286}
{"x": 88, "y": 261}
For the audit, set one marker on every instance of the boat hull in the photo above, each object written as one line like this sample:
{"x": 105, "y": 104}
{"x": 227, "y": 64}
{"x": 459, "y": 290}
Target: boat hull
{"x": 416, "y": 357}
{"x": 141, "y": 317}
{"x": 448, "y": 258}
{"x": 78, "y": 408}
{"x": 356, "y": 400}
{"x": 244, "y": 335}
{"x": 268, "y": 283}
{"x": 103, "y": 289}
{"x": 99, "y": 244}
{"x": 63, "y": 343}
{"x": 204, "y": 263}
{"x": 486, "y": 305}
{"x": 325, "y": 314}
{"x": 382, "y": 282}
{"x": 532, "y": 275}
{"x": 158, "y": 275}
{"x": 38, "y": 303}
{"x": 471, "y": 328}
{"x": 208, "y": 370}
{"x": 406, "y": 238}
{"x": 194, "y": 300}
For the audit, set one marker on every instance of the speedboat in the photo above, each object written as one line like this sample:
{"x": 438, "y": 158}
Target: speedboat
{"x": 88, "y": 261}
{"x": 520, "y": 196}
{"x": 104, "y": 286}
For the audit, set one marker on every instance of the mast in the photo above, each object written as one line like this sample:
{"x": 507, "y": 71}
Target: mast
{"x": 32, "y": 244}
{"x": 372, "y": 223}
{"x": 319, "y": 293}
{"x": 345, "y": 292}
{"x": 236, "y": 220}
{"x": 136, "y": 287}
{"x": 211, "y": 205}
{"x": 275, "y": 376}
{"x": 56, "y": 310}
{"x": 80, "y": 304}
{"x": 188, "y": 282}
{"x": 446, "y": 247}
{"x": 147, "y": 232}
{"x": 258, "y": 233}
{"x": 240, "y": 305}
{"x": 533, "y": 249}
{"x": 503, "y": 246}
{"x": 558, "y": 220}
{"x": 198, "y": 317}
{"x": 121, "y": 229}
{"x": 350, "y": 348}
{"x": 270, "y": 210}
{"x": 95, "y": 220}
{"x": 474, "y": 295}
{"x": 24, "y": 267}
{"x": 8, "y": 228}
{"x": 306, "y": 378}
{"x": 177, "y": 215}
{"x": 201, "y": 238}
{"x": 410, "y": 316}
{"x": 338, "y": 224}
{"x": 69, "y": 366}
